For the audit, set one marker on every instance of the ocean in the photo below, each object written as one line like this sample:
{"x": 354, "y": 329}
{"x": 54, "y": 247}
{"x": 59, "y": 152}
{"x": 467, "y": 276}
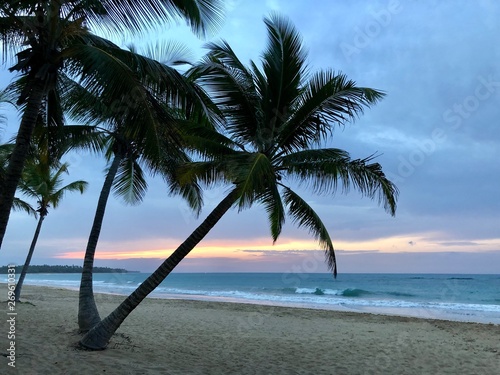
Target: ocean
{"x": 473, "y": 298}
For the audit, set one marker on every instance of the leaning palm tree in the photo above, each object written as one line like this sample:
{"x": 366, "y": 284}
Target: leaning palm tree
{"x": 42, "y": 181}
{"x": 50, "y": 40}
{"x": 131, "y": 185}
{"x": 276, "y": 119}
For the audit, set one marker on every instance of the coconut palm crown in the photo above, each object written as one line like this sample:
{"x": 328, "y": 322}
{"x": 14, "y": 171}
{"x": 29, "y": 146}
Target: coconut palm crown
{"x": 42, "y": 181}
{"x": 277, "y": 119}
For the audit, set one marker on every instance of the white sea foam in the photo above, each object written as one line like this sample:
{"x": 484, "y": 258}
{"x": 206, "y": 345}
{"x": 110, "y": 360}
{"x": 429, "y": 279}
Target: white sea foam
{"x": 450, "y": 298}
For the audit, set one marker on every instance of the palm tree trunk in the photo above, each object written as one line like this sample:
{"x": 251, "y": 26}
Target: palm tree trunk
{"x": 16, "y": 164}
{"x": 88, "y": 316}
{"x": 24, "y": 271}
{"x": 98, "y": 337}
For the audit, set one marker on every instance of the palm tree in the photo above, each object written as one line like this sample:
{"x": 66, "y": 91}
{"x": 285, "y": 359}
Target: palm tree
{"x": 125, "y": 174}
{"x": 52, "y": 44}
{"x": 42, "y": 181}
{"x": 156, "y": 146}
{"x": 123, "y": 158}
{"x": 276, "y": 118}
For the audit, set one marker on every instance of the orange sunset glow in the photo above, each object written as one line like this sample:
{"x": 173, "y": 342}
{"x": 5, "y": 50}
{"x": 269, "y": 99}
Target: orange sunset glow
{"x": 162, "y": 248}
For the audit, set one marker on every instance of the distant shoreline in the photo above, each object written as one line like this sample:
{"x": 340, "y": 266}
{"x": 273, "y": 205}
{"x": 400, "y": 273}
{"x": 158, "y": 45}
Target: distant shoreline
{"x": 64, "y": 269}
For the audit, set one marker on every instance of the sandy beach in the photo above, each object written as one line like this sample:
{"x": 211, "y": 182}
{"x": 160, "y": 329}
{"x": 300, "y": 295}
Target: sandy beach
{"x": 197, "y": 337}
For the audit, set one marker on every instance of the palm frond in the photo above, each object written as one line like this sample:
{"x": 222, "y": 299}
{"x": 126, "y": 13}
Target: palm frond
{"x": 56, "y": 177}
{"x": 313, "y": 155}
{"x": 85, "y": 107}
{"x": 130, "y": 183}
{"x": 130, "y": 16}
{"x": 372, "y": 181}
{"x": 155, "y": 74}
{"x": 143, "y": 92}
{"x": 4, "y": 98}
{"x": 21, "y": 205}
{"x": 284, "y": 65}
{"x": 191, "y": 193}
{"x": 12, "y": 36}
{"x": 28, "y": 191}
{"x": 260, "y": 82}
{"x": 5, "y": 153}
{"x": 75, "y": 186}
{"x": 168, "y": 53}
{"x": 232, "y": 88}
{"x": 271, "y": 199}
{"x": 207, "y": 142}
{"x": 168, "y": 167}
{"x": 60, "y": 140}
{"x": 304, "y": 216}
{"x": 134, "y": 110}
{"x": 199, "y": 108}
{"x": 208, "y": 173}
{"x": 325, "y": 169}
{"x": 224, "y": 54}
{"x": 167, "y": 84}
{"x": 328, "y": 99}
{"x": 112, "y": 72}
{"x": 42, "y": 179}
{"x": 253, "y": 174}
{"x": 284, "y": 62}
{"x": 83, "y": 137}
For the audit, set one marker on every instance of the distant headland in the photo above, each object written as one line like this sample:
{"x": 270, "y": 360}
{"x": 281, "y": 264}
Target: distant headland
{"x": 64, "y": 269}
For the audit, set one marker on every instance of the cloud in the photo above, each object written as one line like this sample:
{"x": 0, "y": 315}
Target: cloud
{"x": 436, "y": 132}
{"x": 459, "y": 243}
{"x": 278, "y": 252}
{"x": 291, "y": 263}
{"x": 306, "y": 252}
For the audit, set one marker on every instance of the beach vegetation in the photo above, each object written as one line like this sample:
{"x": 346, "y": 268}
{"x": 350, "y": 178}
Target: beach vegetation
{"x": 142, "y": 123}
{"x": 46, "y": 268}
{"x": 43, "y": 181}
{"x": 49, "y": 43}
{"x": 276, "y": 119}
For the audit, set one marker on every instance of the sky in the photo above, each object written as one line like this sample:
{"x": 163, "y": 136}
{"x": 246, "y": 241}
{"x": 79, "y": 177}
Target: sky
{"x": 437, "y": 134}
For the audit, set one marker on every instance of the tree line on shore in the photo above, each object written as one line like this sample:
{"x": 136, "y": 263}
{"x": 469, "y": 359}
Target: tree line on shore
{"x": 45, "y": 268}
{"x": 259, "y": 130}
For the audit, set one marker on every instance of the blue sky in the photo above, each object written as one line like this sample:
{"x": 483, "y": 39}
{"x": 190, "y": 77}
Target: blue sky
{"x": 437, "y": 133}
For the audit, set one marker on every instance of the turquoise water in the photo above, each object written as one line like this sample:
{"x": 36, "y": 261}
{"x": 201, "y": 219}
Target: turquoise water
{"x": 456, "y": 297}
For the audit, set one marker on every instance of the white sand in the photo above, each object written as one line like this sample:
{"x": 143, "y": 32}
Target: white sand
{"x": 195, "y": 337}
